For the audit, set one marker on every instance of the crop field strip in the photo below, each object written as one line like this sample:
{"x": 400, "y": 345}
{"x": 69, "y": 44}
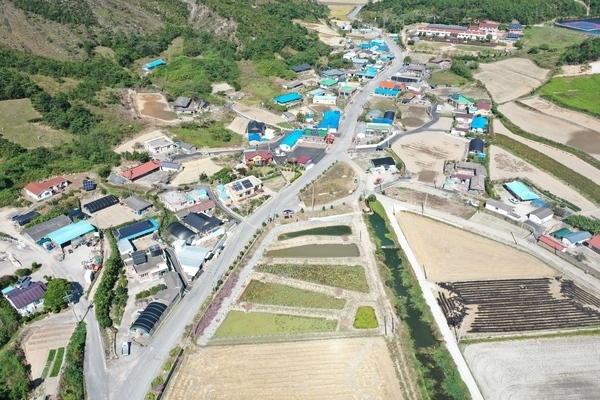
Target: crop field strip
{"x": 518, "y": 305}
{"x": 275, "y": 294}
{"x": 350, "y": 277}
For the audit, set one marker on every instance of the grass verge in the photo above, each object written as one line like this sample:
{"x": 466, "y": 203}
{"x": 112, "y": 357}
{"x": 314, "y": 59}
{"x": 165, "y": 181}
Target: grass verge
{"x": 281, "y": 295}
{"x": 72, "y": 383}
{"x": 60, "y": 353}
{"x": 51, "y": 355}
{"x": 335, "y": 230}
{"x": 446, "y": 78}
{"x": 584, "y": 185}
{"x": 241, "y": 324}
{"x": 285, "y": 125}
{"x": 350, "y": 277}
{"x": 365, "y": 318}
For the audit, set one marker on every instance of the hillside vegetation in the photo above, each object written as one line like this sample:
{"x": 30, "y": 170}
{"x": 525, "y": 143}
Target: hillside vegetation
{"x": 471, "y": 11}
{"x": 89, "y": 107}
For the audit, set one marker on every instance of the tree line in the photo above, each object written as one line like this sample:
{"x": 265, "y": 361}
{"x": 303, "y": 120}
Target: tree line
{"x": 468, "y": 11}
{"x": 62, "y": 11}
{"x": 588, "y": 50}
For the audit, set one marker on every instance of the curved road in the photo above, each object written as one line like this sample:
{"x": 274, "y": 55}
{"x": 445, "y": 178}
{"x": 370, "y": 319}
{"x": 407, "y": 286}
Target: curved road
{"x": 130, "y": 378}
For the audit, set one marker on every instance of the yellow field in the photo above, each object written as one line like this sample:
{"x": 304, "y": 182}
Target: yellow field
{"x": 340, "y": 12}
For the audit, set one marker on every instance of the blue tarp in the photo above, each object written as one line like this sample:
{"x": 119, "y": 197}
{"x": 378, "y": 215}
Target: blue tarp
{"x": 479, "y": 122}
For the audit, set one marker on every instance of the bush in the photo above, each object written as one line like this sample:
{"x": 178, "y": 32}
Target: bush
{"x": 157, "y": 382}
{"x": 35, "y": 266}
{"x": 23, "y": 271}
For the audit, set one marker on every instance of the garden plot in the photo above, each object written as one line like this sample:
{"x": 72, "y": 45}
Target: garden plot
{"x": 324, "y": 369}
{"x": 38, "y": 344}
{"x": 193, "y": 169}
{"x": 445, "y": 257}
{"x": 550, "y": 368}
{"x": 504, "y": 165}
{"x": 553, "y": 128}
{"x": 424, "y": 154}
{"x": 567, "y": 159}
{"x": 510, "y": 79}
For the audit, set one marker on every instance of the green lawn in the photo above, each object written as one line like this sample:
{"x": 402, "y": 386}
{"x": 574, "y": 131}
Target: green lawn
{"x": 241, "y": 324}
{"x": 577, "y": 93}
{"x": 211, "y": 137}
{"x": 446, "y": 78}
{"x": 260, "y": 88}
{"x": 285, "y": 125}
{"x": 57, "y": 362}
{"x": 351, "y": 277}
{"x": 382, "y": 104}
{"x": 365, "y": 318}
{"x": 14, "y": 115}
{"x": 281, "y": 295}
{"x": 51, "y": 355}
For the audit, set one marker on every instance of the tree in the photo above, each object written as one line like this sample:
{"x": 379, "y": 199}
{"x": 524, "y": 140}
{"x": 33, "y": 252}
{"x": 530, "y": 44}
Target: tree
{"x": 55, "y": 297}
{"x": 371, "y": 199}
{"x": 407, "y": 60}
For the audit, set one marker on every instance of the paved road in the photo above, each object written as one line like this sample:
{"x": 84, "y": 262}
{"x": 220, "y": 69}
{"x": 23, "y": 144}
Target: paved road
{"x": 129, "y": 378}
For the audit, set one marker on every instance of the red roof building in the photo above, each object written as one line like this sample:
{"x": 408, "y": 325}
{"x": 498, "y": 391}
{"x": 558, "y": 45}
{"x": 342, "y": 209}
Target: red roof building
{"x": 45, "y": 189}
{"x": 141, "y": 170}
{"x": 548, "y": 241}
{"x": 258, "y": 157}
{"x": 594, "y": 244}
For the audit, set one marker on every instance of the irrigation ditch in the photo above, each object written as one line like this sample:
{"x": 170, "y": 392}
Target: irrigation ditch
{"x": 439, "y": 378}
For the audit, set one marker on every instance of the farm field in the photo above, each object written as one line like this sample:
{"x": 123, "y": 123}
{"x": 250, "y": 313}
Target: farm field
{"x": 567, "y": 159}
{"x": 487, "y": 259}
{"x": 579, "y": 93}
{"x": 510, "y": 79}
{"x": 192, "y": 170}
{"x": 505, "y": 165}
{"x": 321, "y": 369}
{"x": 553, "y": 128}
{"x": 365, "y": 318}
{"x": 275, "y": 294}
{"x": 424, "y": 153}
{"x": 587, "y": 186}
{"x": 350, "y": 277}
{"x": 413, "y": 116}
{"x": 335, "y": 184}
{"x": 242, "y": 324}
{"x": 549, "y": 108}
{"x": 14, "y": 125}
{"x": 339, "y": 12}
{"x": 547, "y": 368}
{"x": 238, "y": 125}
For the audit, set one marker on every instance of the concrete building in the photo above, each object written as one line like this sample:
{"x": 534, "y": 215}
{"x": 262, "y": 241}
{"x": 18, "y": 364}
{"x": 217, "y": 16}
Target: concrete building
{"x": 325, "y": 99}
{"x": 161, "y": 144}
{"x": 498, "y": 207}
{"x": 541, "y": 215}
{"x": 244, "y": 188}
{"x": 43, "y": 190}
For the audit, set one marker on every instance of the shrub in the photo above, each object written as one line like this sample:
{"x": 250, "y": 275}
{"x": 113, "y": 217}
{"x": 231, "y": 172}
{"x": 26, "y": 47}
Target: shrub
{"x": 23, "y": 271}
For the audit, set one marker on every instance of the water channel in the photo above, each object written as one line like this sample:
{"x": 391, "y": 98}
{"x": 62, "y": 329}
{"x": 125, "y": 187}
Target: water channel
{"x": 317, "y": 250}
{"x": 334, "y": 230}
{"x": 420, "y": 332}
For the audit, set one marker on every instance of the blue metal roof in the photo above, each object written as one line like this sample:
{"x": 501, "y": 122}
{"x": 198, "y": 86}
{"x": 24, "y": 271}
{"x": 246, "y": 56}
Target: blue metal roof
{"x": 387, "y": 92}
{"x": 331, "y": 120}
{"x": 291, "y": 139}
{"x": 578, "y": 236}
{"x": 153, "y": 64}
{"x": 70, "y": 232}
{"x": 287, "y": 98}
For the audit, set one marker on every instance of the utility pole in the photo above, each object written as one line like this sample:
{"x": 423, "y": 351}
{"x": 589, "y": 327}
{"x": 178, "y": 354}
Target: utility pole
{"x": 68, "y": 297}
{"x": 313, "y": 197}
{"x": 513, "y": 236}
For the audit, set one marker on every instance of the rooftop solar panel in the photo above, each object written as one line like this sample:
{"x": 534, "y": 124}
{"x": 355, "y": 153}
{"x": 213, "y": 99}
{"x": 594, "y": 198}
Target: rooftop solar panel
{"x": 89, "y": 185}
{"x": 101, "y": 203}
{"x": 139, "y": 257}
{"x": 246, "y": 183}
{"x": 237, "y": 186}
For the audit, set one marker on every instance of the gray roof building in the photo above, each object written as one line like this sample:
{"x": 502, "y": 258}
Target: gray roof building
{"x": 542, "y": 212}
{"x": 40, "y": 231}
{"x": 499, "y": 205}
{"x": 136, "y": 203}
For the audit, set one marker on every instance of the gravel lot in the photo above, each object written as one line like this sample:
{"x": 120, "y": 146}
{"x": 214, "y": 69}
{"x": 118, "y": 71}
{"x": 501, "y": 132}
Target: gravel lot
{"x": 553, "y": 368}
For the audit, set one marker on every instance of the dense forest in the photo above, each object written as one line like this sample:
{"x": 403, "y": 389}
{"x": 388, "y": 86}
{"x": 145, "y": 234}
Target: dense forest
{"x": 63, "y": 11}
{"x": 586, "y": 51}
{"x": 466, "y": 11}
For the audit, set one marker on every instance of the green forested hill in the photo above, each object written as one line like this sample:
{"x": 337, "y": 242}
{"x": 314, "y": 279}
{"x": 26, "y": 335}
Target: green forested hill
{"x": 464, "y": 11}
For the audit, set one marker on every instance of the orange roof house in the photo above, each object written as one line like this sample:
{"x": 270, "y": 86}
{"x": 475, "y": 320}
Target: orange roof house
{"x": 45, "y": 189}
{"x": 594, "y": 243}
{"x": 141, "y": 170}
{"x": 392, "y": 85}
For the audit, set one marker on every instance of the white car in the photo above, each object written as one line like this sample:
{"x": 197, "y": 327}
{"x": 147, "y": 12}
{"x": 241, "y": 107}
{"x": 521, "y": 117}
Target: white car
{"x": 125, "y": 349}
{"x": 514, "y": 201}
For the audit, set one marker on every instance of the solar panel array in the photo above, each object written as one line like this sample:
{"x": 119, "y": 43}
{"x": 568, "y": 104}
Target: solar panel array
{"x": 89, "y": 185}
{"x": 139, "y": 257}
{"x": 155, "y": 250}
{"x": 101, "y": 203}
{"x": 237, "y": 186}
{"x": 247, "y": 184}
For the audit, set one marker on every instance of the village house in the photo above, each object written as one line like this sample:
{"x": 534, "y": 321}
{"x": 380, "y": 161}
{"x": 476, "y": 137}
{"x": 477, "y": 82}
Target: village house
{"x": 43, "y": 190}
{"x": 159, "y": 144}
{"x": 325, "y": 99}
{"x": 141, "y": 170}
{"x": 27, "y": 299}
{"x": 256, "y": 127}
{"x": 258, "y": 157}
{"x": 244, "y": 188}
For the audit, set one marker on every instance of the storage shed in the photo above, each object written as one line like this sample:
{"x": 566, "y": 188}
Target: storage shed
{"x": 476, "y": 146}
{"x": 101, "y": 203}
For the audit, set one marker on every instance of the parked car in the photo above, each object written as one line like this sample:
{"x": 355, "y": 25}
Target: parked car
{"x": 23, "y": 282}
{"x": 125, "y": 349}
{"x": 209, "y": 256}
{"x": 513, "y": 200}
{"x": 288, "y": 212}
